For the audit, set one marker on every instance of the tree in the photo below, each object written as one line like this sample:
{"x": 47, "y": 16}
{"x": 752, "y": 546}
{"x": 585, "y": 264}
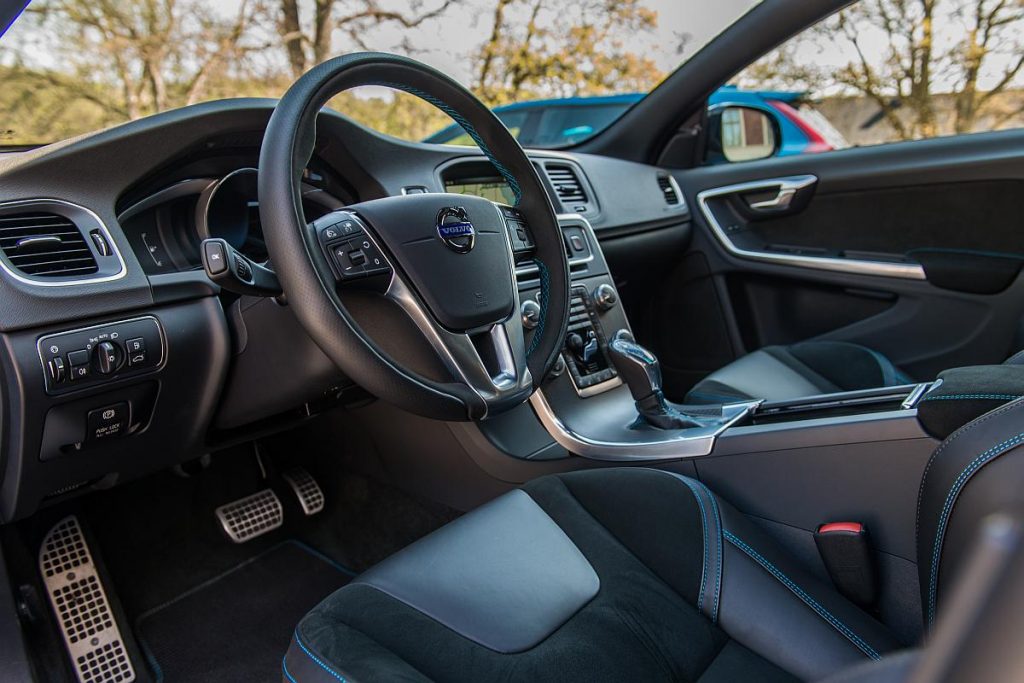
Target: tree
{"x": 934, "y": 50}
{"x": 562, "y": 48}
{"x": 310, "y": 42}
{"x": 154, "y": 54}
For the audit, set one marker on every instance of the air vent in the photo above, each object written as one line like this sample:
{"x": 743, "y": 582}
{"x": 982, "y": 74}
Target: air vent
{"x": 668, "y": 190}
{"x": 45, "y": 245}
{"x": 566, "y": 183}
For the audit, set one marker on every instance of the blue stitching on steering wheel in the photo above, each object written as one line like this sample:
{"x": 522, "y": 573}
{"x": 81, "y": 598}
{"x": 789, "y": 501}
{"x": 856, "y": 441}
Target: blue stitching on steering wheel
{"x": 545, "y": 282}
{"x": 468, "y": 127}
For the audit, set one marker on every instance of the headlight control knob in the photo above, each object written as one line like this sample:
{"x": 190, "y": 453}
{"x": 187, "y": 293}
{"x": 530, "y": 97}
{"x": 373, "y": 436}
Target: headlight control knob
{"x": 530, "y": 311}
{"x": 605, "y": 297}
{"x": 108, "y": 357}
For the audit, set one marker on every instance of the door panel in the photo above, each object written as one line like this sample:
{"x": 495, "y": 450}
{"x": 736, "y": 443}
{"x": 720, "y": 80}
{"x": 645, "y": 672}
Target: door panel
{"x": 913, "y": 249}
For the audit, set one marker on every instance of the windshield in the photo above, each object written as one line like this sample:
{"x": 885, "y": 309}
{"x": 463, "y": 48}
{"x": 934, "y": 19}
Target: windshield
{"x": 556, "y": 71}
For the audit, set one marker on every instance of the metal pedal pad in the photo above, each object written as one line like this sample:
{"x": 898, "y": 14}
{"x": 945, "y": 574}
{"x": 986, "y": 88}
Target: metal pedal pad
{"x": 80, "y": 603}
{"x": 251, "y": 516}
{"x": 309, "y": 493}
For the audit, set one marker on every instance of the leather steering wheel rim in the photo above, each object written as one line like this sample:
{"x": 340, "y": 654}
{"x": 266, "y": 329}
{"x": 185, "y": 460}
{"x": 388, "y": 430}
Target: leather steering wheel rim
{"x": 301, "y": 265}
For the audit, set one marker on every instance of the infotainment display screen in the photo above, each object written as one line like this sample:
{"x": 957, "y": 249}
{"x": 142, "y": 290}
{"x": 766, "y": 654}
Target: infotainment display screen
{"x": 495, "y": 189}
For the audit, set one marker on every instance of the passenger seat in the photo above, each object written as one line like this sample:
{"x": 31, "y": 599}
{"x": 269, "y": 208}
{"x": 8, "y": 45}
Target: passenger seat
{"x": 778, "y": 373}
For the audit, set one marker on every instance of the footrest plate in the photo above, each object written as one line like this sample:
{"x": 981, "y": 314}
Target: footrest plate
{"x": 83, "y": 612}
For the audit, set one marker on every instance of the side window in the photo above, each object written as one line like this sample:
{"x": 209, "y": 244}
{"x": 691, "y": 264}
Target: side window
{"x": 883, "y": 71}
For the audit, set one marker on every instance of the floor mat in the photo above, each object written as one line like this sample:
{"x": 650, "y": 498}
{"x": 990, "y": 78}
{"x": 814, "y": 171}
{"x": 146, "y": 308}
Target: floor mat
{"x": 237, "y": 626}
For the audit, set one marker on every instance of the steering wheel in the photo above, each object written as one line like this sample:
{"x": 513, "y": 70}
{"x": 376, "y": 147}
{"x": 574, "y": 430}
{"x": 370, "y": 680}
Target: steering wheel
{"x": 447, "y": 260}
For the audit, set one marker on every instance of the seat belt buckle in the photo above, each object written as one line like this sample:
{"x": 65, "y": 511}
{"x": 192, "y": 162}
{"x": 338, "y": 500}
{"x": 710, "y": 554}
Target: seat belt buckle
{"x": 845, "y": 550}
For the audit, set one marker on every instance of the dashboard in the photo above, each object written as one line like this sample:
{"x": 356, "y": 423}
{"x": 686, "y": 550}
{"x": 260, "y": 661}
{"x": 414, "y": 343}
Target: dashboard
{"x": 128, "y": 325}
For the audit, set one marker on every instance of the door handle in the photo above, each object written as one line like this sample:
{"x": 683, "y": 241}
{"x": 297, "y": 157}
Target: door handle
{"x": 780, "y": 201}
{"x": 786, "y": 190}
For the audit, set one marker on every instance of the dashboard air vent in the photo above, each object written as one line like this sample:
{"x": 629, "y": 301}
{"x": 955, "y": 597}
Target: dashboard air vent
{"x": 668, "y": 190}
{"x": 45, "y": 245}
{"x": 566, "y": 183}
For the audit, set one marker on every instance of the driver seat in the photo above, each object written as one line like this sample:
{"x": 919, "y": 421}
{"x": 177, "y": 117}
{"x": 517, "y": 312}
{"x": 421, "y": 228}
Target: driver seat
{"x": 640, "y": 574}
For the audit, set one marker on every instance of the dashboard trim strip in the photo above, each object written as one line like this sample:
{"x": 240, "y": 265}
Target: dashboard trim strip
{"x": 905, "y": 271}
{"x": 675, "y": 446}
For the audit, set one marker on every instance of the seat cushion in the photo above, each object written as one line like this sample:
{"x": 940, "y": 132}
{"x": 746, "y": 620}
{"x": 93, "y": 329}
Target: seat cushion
{"x": 779, "y": 373}
{"x": 687, "y": 589}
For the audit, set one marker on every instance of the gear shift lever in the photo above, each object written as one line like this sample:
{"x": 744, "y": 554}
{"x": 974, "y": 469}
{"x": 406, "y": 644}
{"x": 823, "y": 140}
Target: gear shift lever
{"x": 640, "y": 370}
{"x": 637, "y": 366}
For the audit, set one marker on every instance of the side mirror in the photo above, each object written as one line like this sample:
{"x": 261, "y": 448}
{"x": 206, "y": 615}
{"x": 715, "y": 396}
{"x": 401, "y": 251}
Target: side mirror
{"x": 738, "y": 133}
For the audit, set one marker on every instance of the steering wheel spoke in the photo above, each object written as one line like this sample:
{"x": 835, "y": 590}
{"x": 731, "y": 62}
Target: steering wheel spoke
{"x": 491, "y": 361}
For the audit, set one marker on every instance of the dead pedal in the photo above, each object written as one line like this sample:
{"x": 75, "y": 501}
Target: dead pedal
{"x": 83, "y": 612}
{"x": 251, "y": 516}
{"x": 309, "y": 493}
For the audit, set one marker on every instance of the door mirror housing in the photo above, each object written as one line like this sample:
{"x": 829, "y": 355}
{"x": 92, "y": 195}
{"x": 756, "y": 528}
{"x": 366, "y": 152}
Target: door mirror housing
{"x": 739, "y": 133}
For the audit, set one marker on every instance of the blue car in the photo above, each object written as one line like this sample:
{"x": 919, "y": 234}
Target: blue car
{"x": 561, "y": 122}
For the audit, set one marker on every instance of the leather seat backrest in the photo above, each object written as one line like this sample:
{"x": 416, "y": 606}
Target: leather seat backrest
{"x": 977, "y": 470}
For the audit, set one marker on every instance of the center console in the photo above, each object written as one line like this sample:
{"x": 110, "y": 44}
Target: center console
{"x": 588, "y": 409}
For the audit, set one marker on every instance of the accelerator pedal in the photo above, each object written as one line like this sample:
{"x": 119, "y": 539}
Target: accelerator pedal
{"x": 251, "y": 516}
{"x": 80, "y": 603}
{"x": 309, "y": 493}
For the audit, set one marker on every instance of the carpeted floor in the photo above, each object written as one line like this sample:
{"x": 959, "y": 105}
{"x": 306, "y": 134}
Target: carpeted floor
{"x": 237, "y": 626}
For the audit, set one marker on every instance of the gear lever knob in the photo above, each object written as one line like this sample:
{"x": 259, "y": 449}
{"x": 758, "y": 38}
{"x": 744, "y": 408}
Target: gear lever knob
{"x": 637, "y": 366}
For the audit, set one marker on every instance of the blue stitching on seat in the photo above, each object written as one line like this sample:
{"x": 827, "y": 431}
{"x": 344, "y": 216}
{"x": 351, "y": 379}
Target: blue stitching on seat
{"x": 718, "y": 569}
{"x": 969, "y": 397}
{"x": 947, "y": 509}
{"x": 807, "y": 599}
{"x": 284, "y": 668}
{"x": 468, "y": 127}
{"x": 692, "y": 484}
{"x": 704, "y": 524}
{"x": 317, "y": 660}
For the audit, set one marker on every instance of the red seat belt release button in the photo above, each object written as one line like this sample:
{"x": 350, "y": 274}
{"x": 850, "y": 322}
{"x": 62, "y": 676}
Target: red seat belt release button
{"x": 846, "y": 553}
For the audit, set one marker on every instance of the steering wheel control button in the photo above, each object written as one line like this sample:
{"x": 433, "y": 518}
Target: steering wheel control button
{"x": 107, "y": 422}
{"x": 216, "y": 257}
{"x": 93, "y": 355}
{"x": 108, "y": 357}
{"x": 357, "y": 257}
{"x": 343, "y": 258}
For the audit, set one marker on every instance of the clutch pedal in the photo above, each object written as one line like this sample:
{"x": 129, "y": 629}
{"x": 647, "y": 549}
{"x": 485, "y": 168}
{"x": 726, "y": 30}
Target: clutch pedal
{"x": 309, "y": 493}
{"x": 80, "y": 603}
{"x": 251, "y": 516}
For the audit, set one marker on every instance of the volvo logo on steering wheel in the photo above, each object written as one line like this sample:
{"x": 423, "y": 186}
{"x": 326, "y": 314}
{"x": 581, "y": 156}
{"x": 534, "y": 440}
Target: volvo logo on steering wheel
{"x": 455, "y": 229}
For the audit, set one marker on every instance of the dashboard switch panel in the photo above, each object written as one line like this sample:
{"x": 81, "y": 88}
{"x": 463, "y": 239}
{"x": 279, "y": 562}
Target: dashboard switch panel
{"x": 101, "y": 353}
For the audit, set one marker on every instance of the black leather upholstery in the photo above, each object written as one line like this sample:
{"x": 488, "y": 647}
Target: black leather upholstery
{"x": 778, "y": 373}
{"x": 689, "y": 588}
{"x": 505, "y": 576}
{"x": 971, "y": 475}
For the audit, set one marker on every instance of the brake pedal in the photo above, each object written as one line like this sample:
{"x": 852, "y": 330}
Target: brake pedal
{"x": 309, "y": 493}
{"x": 80, "y": 603}
{"x": 251, "y": 516}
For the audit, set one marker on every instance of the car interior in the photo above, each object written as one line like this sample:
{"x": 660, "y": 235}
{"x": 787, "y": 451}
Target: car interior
{"x": 286, "y": 398}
